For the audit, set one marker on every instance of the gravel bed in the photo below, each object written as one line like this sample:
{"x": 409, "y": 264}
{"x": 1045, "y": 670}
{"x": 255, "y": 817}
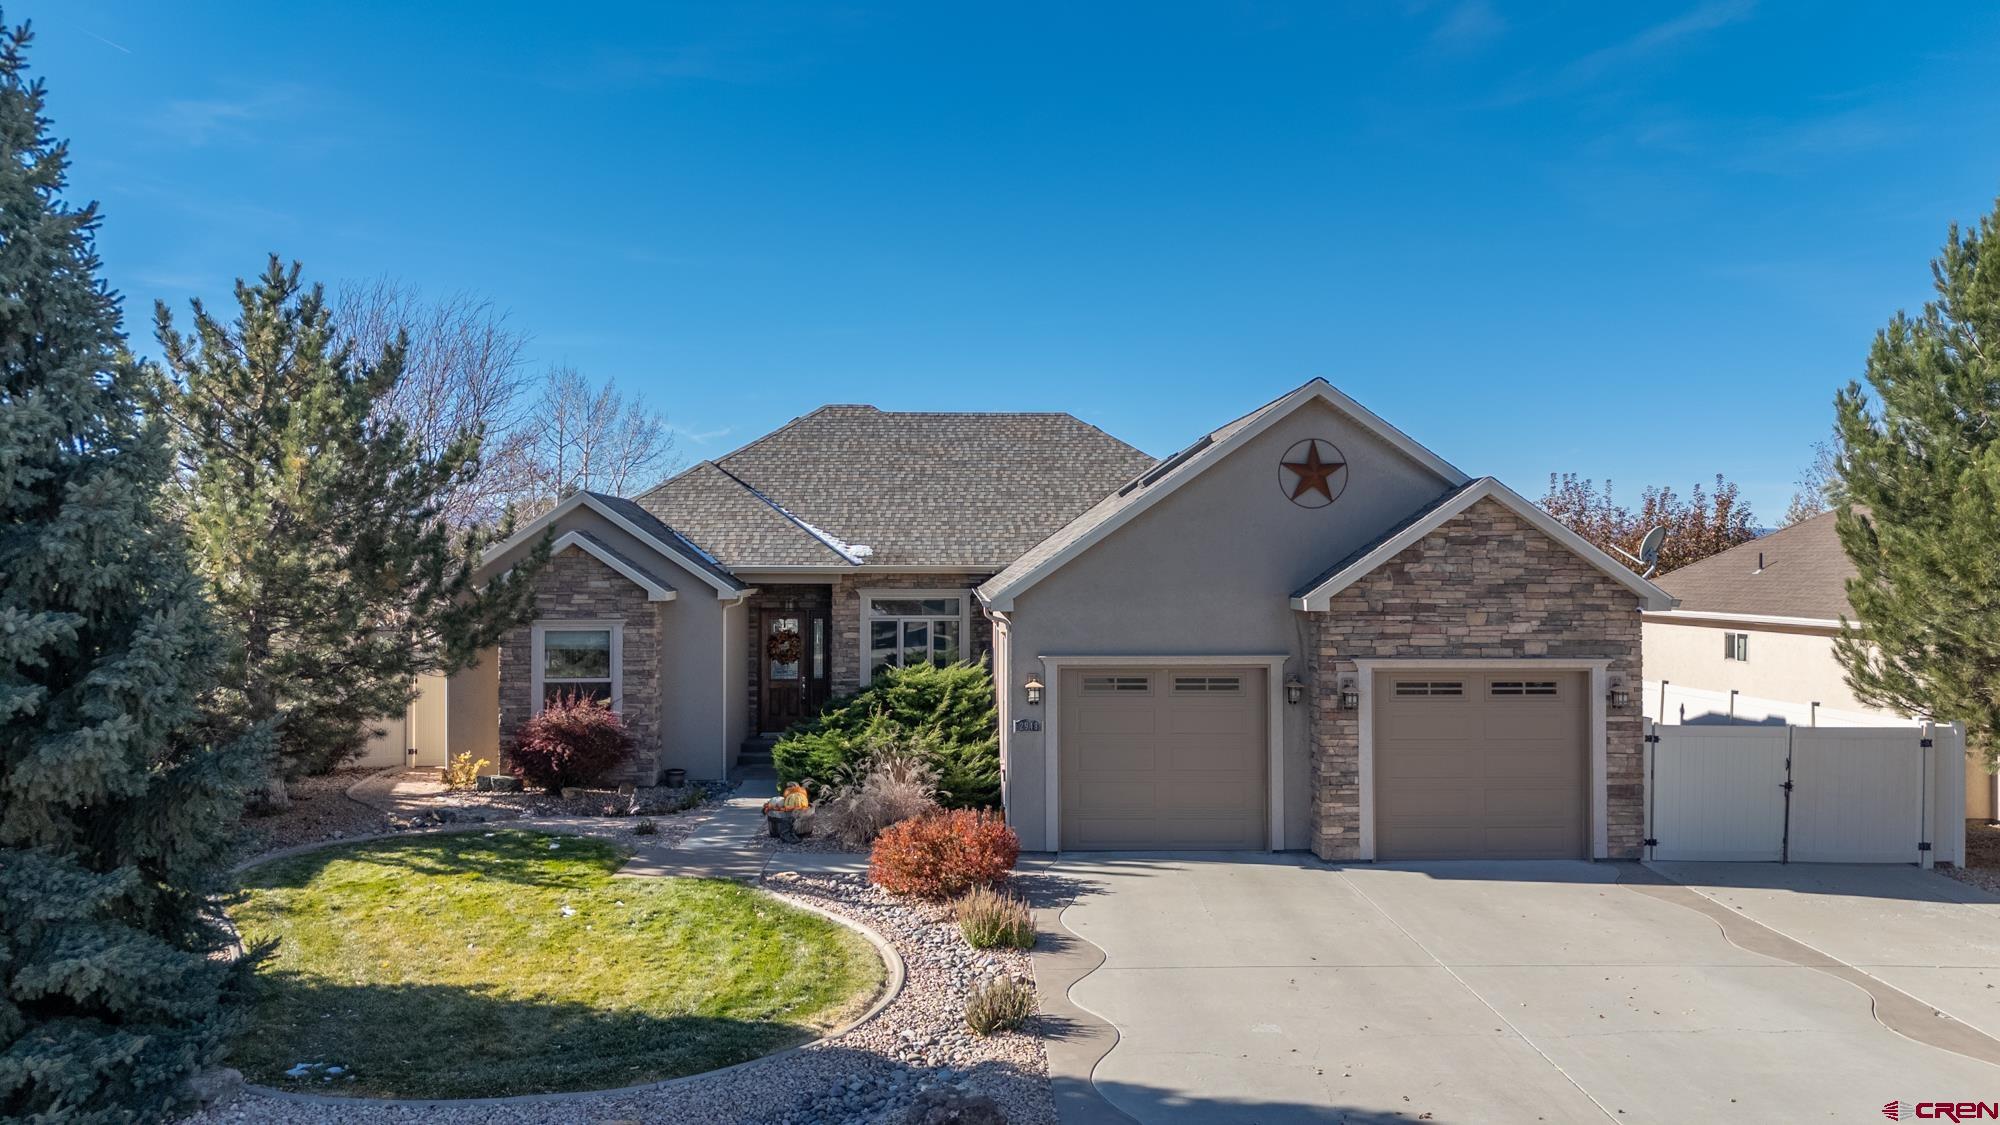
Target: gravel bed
{"x": 1982, "y": 857}
{"x": 419, "y": 792}
{"x": 320, "y": 810}
{"x": 917, "y": 1047}
{"x": 649, "y": 800}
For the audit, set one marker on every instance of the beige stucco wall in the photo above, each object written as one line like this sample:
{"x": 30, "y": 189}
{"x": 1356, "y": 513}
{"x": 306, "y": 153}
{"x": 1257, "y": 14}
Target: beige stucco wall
{"x": 1792, "y": 666}
{"x": 1210, "y": 570}
{"x": 472, "y": 709}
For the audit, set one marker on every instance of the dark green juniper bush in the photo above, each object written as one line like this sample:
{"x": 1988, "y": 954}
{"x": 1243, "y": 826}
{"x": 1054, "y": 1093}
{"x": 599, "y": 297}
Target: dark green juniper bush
{"x": 117, "y": 803}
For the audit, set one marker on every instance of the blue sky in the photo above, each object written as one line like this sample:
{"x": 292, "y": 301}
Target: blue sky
{"x": 1642, "y": 241}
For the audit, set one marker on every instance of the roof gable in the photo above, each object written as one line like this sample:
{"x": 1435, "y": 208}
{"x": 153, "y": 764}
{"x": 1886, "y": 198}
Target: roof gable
{"x": 657, "y": 588}
{"x": 858, "y": 485}
{"x": 1799, "y": 571}
{"x": 1318, "y": 594}
{"x": 1164, "y": 478}
{"x": 642, "y": 526}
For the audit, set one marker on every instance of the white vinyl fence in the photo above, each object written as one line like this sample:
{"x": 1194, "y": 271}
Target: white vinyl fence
{"x": 1806, "y": 794}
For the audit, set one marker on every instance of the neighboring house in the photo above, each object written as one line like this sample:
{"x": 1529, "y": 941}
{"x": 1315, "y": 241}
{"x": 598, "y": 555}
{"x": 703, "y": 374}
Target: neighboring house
{"x": 1305, "y": 630}
{"x": 1752, "y": 642}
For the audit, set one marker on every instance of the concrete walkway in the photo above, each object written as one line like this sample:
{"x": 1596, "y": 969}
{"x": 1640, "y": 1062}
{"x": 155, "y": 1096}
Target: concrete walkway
{"x": 408, "y": 795}
{"x": 727, "y": 843}
{"x": 732, "y": 842}
{"x": 1274, "y": 988}
{"x": 1918, "y": 931}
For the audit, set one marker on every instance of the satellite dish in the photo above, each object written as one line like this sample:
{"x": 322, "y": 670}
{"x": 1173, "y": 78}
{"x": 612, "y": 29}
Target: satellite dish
{"x": 1649, "y": 550}
{"x": 1649, "y": 547}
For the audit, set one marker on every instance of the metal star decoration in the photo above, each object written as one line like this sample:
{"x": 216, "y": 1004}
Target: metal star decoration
{"x": 1314, "y": 474}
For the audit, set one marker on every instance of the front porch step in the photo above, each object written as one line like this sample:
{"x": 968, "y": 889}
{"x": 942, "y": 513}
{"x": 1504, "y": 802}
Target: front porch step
{"x": 756, "y": 751}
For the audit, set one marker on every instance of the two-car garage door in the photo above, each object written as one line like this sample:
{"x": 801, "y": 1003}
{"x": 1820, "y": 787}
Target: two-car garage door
{"x": 1467, "y": 763}
{"x": 1472, "y": 764}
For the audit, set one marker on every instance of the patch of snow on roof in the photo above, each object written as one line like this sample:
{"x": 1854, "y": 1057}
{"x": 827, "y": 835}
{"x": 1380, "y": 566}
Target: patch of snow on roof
{"x": 852, "y": 553}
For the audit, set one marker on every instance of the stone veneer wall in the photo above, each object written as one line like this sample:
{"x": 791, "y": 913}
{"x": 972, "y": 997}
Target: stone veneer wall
{"x": 849, "y": 650}
{"x": 575, "y": 586}
{"x": 1487, "y": 584}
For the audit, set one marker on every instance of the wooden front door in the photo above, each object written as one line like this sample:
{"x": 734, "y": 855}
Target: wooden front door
{"x": 793, "y": 666}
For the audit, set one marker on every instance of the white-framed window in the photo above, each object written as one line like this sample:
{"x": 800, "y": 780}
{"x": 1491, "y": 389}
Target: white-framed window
{"x": 904, "y": 627}
{"x": 578, "y": 658}
{"x": 1736, "y": 646}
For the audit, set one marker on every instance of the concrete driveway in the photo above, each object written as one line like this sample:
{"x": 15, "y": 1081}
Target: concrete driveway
{"x": 1268, "y": 990}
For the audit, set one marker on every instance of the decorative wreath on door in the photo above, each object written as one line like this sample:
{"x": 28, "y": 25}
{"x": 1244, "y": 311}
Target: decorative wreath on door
{"x": 784, "y": 646}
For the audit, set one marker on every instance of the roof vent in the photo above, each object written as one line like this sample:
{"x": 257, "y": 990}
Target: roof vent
{"x": 1760, "y": 563}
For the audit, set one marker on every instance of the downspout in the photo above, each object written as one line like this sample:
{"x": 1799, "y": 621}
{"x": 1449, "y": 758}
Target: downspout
{"x": 1003, "y": 690}
{"x": 728, "y": 605}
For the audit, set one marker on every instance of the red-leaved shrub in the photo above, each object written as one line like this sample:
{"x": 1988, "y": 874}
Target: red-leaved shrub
{"x": 574, "y": 741}
{"x": 943, "y": 854}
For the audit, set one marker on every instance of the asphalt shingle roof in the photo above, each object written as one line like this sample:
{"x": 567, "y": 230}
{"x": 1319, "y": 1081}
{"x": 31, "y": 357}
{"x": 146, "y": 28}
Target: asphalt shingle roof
{"x": 1805, "y": 574}
{"x": 680, "y": 545}
{"x": 913, "y": 489}
{"x": 736, "y": 525}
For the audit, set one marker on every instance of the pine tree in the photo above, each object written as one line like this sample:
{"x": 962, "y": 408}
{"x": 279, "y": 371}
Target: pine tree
{"x": 115, "y": 809}
{"x": 1920, "y": 485}
{"x": 316, "y": 519}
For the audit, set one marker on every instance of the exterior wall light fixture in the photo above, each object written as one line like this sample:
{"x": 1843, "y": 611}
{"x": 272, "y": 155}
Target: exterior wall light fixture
{"x": 1295, "y": 689}
{"x": 1034, "y": 689}
{"x": 1618, "y": 694}
{"x": 1350, "y": 694}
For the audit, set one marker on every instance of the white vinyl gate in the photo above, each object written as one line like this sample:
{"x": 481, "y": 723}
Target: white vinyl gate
{"x": 1805, "y": 794}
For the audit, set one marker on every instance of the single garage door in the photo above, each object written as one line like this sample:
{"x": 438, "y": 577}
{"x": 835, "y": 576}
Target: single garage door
{"x": 1170, "y": 758}
{"x": 1481, "y": 765}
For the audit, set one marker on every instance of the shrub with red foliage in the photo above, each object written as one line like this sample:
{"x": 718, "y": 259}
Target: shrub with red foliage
{"x": 574, "y": 741}
{"x": 943, "y": 854}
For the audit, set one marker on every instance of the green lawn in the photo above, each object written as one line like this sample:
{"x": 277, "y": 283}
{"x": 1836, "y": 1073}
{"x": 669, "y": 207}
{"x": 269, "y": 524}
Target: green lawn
{"x": 469, "y": 965}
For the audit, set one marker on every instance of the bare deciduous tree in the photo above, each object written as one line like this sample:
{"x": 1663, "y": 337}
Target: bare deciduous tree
{"x": 1702, "y": 525}
{"x": 1818, "y": 486}
{"x": 462, "y": 372}
{"x": 582, "y": 436}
